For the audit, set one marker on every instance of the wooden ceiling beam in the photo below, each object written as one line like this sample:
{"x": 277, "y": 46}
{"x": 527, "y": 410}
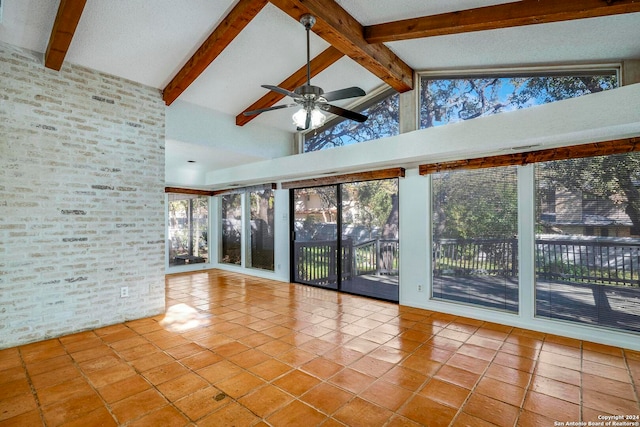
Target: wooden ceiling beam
{"x": 525, "y": 12}
{"x": 64, "y": 27}
{"x": 604, "y": 148}
{"x": 181, "y": 190}
{"x": 241, "y": 190}
{"x": 342, "y": 31}
{"x": 219, "y": 39}
{"x": 299, "y": 78}
{"x": 345, "y": 178}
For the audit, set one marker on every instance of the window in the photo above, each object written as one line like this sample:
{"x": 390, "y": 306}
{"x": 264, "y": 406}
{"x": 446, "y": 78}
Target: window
{"x": 475, "y": 250}
{"x": 588, "y": 251}
{"x": 262, "y": 222}
{"x": 188, "y": 225}
{"x": 448, "y": 100}
{"x": 383, "y": 121}
{"x": 231, "y": 222}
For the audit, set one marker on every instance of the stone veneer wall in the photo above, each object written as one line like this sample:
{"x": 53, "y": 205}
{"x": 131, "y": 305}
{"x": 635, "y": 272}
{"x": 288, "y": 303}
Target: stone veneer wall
{"x": 81, "y": 199}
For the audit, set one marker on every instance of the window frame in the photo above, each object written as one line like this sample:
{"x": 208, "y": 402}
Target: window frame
{"x": 171, "y": 192}
{"x": 250, "y": 237}
{"x": 459, "y": 280}
{"x": 601, "y": 282}
{"x": 221, "y": 226}
{"x": 506, "y": 72}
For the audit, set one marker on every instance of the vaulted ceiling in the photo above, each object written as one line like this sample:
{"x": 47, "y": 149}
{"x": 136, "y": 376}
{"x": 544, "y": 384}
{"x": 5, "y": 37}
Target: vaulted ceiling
{"x": 216, "y": 54}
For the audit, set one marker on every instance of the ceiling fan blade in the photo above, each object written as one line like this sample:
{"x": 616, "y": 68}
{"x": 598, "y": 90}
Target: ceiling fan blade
{"x": 351, "y": 115}
{"x": 282, "y": 91}
{"x": 349, "y": 92}
{"x": 262, "y": 110}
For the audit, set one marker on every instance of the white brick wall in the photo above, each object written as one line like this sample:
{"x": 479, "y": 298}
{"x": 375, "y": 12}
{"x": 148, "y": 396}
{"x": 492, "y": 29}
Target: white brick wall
{"x": 81, "y": 199}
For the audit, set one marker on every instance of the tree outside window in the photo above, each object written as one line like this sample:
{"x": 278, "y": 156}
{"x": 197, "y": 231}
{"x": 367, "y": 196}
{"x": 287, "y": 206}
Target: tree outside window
{"x": 383, "y": 120}
{"x": 450, "y": 100}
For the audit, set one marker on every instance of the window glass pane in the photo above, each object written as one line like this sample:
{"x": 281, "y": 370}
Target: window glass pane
{"x": 475, "y": 250}
{"x": 588, "y": 241}
{"x": 231, "y": 229}
{"x": 315, "y": 246}
{"x": 262, "y": 221}
{"x": 188, "y": 229}
{"x": 370, "y": 244}
{"x": 445, "y": 101}
{"x": 383, "y": 120}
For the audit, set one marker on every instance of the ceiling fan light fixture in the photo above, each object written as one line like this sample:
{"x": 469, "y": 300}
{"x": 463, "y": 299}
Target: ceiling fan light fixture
{"x": 317, "y": 118}
{"x": 312, "y": 99}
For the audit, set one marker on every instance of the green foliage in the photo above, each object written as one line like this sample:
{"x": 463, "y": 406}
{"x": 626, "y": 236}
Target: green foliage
{"x": 475, "y": 204}
{"x": 614, "y": 178}
{"x": 450, "y": 100}
{"x": 551, "y": 89}
{"x": 373, "y": 200}
{"x": 231, "y": 204}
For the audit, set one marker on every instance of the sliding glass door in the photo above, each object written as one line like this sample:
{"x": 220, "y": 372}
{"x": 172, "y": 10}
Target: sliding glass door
{"x": 365, "y": 259}
{"x": 315, "y": 236}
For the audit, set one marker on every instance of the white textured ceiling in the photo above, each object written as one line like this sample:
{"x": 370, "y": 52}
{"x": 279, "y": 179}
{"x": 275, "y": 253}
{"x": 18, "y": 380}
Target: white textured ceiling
{"x": 148, "y": 41}
{"x": 606, "y": 39}
{"x": 370, "y": 12}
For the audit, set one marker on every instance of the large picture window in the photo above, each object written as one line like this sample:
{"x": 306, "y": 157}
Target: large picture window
{"x": 262, "y": 223}
{"x": 383, "y": 114}
{"x": 231, "y": 222}
{"x": 588, "y": 240}
{"x": 188, "y": 226}
{"x": 449, "y": 100}
{"x": 475, "y": 250}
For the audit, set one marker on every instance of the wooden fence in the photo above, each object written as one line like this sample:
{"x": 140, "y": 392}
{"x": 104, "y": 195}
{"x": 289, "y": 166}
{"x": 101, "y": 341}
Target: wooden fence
{"x": 315, "y": 262}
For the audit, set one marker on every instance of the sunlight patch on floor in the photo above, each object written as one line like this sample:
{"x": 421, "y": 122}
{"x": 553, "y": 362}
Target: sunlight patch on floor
{"x": 182, "y": 317}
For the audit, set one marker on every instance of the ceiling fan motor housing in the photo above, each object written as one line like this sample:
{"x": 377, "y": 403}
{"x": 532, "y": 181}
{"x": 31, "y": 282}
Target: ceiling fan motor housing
{"x": 309, "y": 91}
{"x": 312, "y": 98}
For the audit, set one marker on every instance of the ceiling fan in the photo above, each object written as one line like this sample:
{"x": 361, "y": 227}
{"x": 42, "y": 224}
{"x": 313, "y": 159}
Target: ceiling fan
{"x": 312, "y": 99}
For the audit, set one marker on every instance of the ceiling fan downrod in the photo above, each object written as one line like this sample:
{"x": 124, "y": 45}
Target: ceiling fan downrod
{"x": 308, "y": 21}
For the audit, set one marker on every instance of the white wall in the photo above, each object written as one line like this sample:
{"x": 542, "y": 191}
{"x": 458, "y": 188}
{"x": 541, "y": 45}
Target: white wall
{"x": 192, "y": 123}
{"x": 214, "y": 141}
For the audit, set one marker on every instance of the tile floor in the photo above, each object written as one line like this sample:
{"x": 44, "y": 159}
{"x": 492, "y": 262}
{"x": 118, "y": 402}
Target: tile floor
{"x": 238, "y": 350}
